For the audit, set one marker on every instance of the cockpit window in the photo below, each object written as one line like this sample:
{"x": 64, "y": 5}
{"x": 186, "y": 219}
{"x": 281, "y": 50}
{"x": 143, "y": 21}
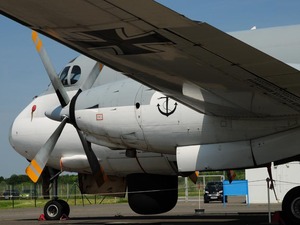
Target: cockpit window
{"x": 64, "y": 76}
{"x": 75, "y": 74}
{"x": 69, "y": 78}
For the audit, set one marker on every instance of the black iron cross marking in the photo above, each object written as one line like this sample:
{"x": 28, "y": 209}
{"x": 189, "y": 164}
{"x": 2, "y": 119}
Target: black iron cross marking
{"x": 123, "y": 45}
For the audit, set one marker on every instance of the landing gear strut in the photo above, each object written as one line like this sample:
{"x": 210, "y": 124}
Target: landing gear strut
{"x": 56, "y": 208}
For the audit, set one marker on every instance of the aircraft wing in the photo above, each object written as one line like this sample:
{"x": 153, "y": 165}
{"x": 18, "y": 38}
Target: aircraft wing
{"x": 193, "y": 62}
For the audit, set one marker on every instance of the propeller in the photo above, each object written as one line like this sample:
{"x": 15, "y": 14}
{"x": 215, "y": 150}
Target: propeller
{"x": 64, "y": 114}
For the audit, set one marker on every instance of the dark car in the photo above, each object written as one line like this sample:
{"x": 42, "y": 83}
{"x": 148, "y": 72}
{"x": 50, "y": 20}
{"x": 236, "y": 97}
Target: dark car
{"x": 214, "y": 192}
{"x": 9, "y": 194}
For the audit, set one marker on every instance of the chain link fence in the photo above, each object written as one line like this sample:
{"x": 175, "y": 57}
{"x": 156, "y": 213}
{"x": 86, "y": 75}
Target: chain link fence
{"x": 30, "y": 194}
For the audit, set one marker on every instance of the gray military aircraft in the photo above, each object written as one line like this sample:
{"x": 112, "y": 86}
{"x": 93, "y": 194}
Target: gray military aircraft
{"x": 199, "y": 100}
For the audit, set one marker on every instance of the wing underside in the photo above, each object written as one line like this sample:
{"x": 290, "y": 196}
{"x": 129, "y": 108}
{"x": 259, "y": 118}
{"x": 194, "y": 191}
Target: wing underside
{"x": 195, "y": 63}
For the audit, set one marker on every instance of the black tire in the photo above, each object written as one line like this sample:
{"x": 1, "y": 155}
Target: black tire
{"x": 225, "y": 199}
{"x": 65, "y": 205}
{"x": 152, "y": 194}
{"x": 53, "y": 210}
{"x": 206, "y": 199}
{"x": 291, "y": 206}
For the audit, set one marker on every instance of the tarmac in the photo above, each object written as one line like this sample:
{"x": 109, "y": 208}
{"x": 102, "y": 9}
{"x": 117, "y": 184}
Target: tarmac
{"x": 185, "y": 212}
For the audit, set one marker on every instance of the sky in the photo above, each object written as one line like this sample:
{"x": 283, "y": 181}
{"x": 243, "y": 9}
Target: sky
{"x": 22, "y": 75}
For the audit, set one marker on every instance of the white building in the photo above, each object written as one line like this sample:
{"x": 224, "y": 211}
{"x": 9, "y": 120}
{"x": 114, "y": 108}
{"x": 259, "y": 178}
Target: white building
{"x": 286, "y": 177}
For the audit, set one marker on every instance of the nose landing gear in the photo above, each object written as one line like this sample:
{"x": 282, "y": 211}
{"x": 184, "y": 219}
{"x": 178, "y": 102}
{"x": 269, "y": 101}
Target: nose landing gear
{"x": 56, "y": 208}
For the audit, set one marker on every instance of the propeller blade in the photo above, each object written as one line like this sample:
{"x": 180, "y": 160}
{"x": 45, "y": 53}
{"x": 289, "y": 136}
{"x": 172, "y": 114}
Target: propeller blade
{"x": 96, "y": 168}
{"x": 56, "y": 82}
{"x": 37, "y": 165}
{"x": 88, "y": 83}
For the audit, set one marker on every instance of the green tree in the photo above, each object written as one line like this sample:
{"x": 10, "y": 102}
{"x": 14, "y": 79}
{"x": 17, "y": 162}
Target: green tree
{"x": 17, "y": 179}
{"x": 14, "y": 179}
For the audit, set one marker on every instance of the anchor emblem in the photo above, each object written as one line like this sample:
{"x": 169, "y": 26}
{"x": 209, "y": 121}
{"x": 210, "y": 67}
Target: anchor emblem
{"x": 167, "y": 111}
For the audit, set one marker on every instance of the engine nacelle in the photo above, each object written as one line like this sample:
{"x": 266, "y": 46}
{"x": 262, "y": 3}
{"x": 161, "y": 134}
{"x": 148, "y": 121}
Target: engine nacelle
{"x": 241, "y": 154}
{"x": 214, "y": 157}
{"x": 74, "y": 163}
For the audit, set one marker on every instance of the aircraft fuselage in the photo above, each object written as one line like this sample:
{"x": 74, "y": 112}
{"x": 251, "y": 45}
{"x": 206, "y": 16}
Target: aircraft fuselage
{"x": 124, "y": 115}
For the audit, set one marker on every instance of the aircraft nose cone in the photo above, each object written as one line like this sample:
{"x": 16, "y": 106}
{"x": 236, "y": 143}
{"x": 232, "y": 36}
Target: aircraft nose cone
{"x": 10, "y": 135}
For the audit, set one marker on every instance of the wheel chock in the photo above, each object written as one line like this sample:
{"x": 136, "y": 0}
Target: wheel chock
{"x": 277, "y": 218}
{"x": 42, "y": 217}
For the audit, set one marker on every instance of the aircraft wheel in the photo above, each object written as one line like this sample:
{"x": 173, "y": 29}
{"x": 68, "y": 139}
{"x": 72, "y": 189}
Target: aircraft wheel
{"x": 151, "y": 193}
{"x": 53, "y": 210}
{"x": 66, "y": 207}
{"x": 291, "y": 206}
